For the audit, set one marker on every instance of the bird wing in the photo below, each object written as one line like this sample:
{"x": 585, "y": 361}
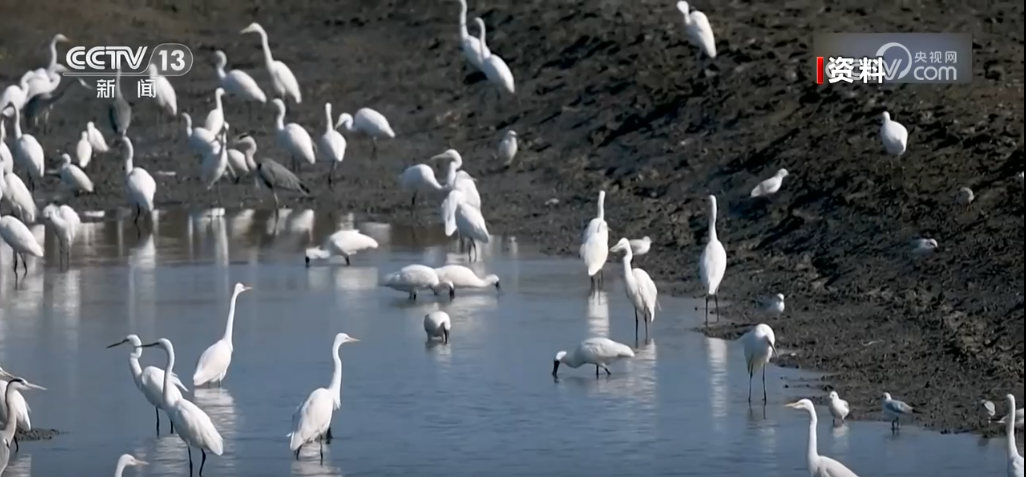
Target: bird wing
{"x": 465, "y": 184}
{"x": 312, "y": 419}
{"x": 279, "y": 177}
{"x": 300, "y": 140}
{"x": 832, "y": 468}
{"x": 372, "y": 121}
{"x": 702, "y": 33}
{"x": 595, "y": 251}
{"x": 283, "y": 74}
{"x": 471, "y": 223}
{"x": 82, "y": 180}
{"x": 603, "y": 349}
{"x": 212, "y": 363}
{"x": 195, "y": 427}
{"x": 593, "y": 228}
{"x": 898, "y": 407}
{"x": 1015, "y": 466}
{"x": 166, "y": 95}
{"x": 714, "y": 265}
{"x": 332, "y": 146}
{"x": 448, "y": 209}
{"x": 649, "y": 292}
{"x": 352, "y": 241}
{"x": 238, "y": 82}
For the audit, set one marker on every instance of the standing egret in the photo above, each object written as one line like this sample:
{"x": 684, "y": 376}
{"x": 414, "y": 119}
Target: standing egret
{"x": 40, "y": 105}
{"x": 200, "y": 140}
{"x": 641, "y": 246}
{"x": 238, "y": 82}
{"x": 599, "y": 352}
{"x": 125, "y": 461}
{"x": 96, "y": 139}
{"x": 21, "y": 240}
{"x": 119, "y": 112}
{"x": 1015, "y": 464}
{"x": 714, "y": 263}
{"x": 493, "y": 66}
{"x": 239, "y": 164}
{"x": 894, "y": 410}
{"x": 331, "y": 146}
{"x": 595, "y": 247}
{"x": 760, "y": 344}
{"x": 272, "y": 175}
{"x": 641, "y": 290}
{"x": 470, "y": 224}
{"x": 73, "y": 177}
{"x": 215, "y": 118}
{"x": 163, "y": 92}
{"x": 463, "y": 277}
{"x": 23, "y": 205}
{"x": 6, "y": 158}
{"x": 28, "y": 153}
{"x": 213, "y": 363}
{"x": 819, "y": 466}
{"x": 368, "y": 122}
{"x": 14, "y": 407}
{"x": 457, "y": 179}
{"x": 285, "y": 84}
{"x": 312, "y": 419}
{"x": 11, "y": 426}
{"x": 838, "y": 407}
{"x": 83, "y": 150}
{"x": 698, "y": 29}
{"x": 893, "y": 135}
{"x": 470, "y": 46}
{"x": 150, "y": 380}
{"x": 419, "y": 179}
{"x": 139, "y": 184}
{"x": 345, "y": 243}
{"x": 507, "y": 148}
{"x": 215, "y": 163}
{"x": 437, "y": 324}
{"x": 64, "y": 222}
{"x": 293, "y": 138}
{"x": 194, "y": 426}
{"x": 413, "y": 278}
{"x": 770, "y": 186}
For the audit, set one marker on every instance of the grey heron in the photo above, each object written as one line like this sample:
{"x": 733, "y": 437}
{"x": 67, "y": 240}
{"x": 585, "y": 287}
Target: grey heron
{"x": 120, "y": 112}
{"x": 270, "y": 173}
{"x": 42, "y": 104}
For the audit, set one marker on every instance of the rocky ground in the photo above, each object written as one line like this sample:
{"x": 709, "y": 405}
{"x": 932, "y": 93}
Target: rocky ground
{"x": 610, "y": 96}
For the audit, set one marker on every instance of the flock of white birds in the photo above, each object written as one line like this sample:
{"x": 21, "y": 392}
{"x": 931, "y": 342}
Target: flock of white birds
{"x": 460, "y": 213}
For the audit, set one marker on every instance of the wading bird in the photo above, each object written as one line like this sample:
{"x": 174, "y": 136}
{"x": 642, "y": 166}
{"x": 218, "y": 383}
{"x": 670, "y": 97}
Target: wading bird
{"x": 894, "y": 410}
{"x": 64, "y": 222}
{"x": 28, "y": 153}
{"x": 139, "y": 184}
{"x": 73, "y": 177}
{"x": 413, "y": 278}
{"x": 437, "y": 324}
{"x": 215, "y": 118}
{"x": 215, "y": 163}
{"x": 470, "y": 223}
{"x": 595, "y": 247}
{"x": 21, "y": 241}
{"x": 838, "y": 407}
{"x": 237, "y": 82}
{"x": 493, "y": 66}
{"x": 600, "y": 352}
{"x": 163, "y": 92}
{"x": 270, "y": 174}
{"x": 345, "y": 243}
{"x": 760, "y": 344}
{"x": 420, "y": 179}
{"x": 367, "y": 122}
{"x": 463, "y": 277}
{"x": 14, "y": 407}
{"x": 125, "y": 461}
{"x": 194, "y": 426}
{"x": 507, "y": 149}
{"x": 893, "y": 135}
{"x": 770, "y": 186}
{"x": 23, "y": 205}
{"x": 213, "y": 363}
{"x": 1015, "y": 464}
{"x": 11, "y": 426}
{"x": 714, "y": 263}
{"x": 819, "y": 466}
{"x": 331, "y": 146}
{"x": 150, "y": 380}
{"x": 200, "y": 140}
{"x": 293, "y": 138}
{"x": 698, "y": 29}
{"x": 312, "y": 419}
{"x": 119, "y": 112}
{"x": 83, "y": 150}
{"x": 284, "y": 82}
{"x": 641, "y": 290}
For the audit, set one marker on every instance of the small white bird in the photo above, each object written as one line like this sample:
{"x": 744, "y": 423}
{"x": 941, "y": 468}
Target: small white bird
{"x": 164, "y": 93}
{"x": 215, "y": 118}
{"x": 463, "y": 277}
{"x": 760, "y": 344}
{"x": 437, "y": 325}
{"x": 420, "y": 179}
{"x": 237, "y": 82}
{"x": 600, "y": 352}
{"x": 819, "y": 466}
{"x": 64, "y": 222}
{"x": 697, "y": 27}
{"x": 413, "y": 278}
{"x": 965, "y": 196}
{"x": 894, "y": 410}
{"x": 924, "y": 246}
{"x": 770, "y": 186}
{"x": 893, "y": 135}
{"x": 331, "y": 146}
{"x": 73, "y": 177}
{"x": 213, "y": 363}
{"x": 988, "y": 409}
{"x": 20, "y": 239}
{"x": 641, "y": 290}
{"x": 507, "y": 148}
{"x": 312, "y": 419}
{"x": 345, "y": 243}
{"x": 838, "y": 407}
{"x": 713, "y": 266}
{"x": 595, "y": 247}
{"x": 139, "y": 184}
{"x": 285, "y": 84}
{"x": 774, "y": 305}
{"x": 125, "y": 461}
{"x": 23, "y": 205}
{"x": 150, "y": 380}
{"x": 293, "y": 138}
{"x": 367, "y": 122}
{"x": 83, "y": 150}
{"x": 493, "y": 66}
{"x": 641, "y": 246}
{"x": 96, "y": 139}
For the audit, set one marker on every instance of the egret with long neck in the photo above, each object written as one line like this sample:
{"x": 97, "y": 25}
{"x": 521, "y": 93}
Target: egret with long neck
{"x": 312, "y": 419}
{"x": 213, "y": 363}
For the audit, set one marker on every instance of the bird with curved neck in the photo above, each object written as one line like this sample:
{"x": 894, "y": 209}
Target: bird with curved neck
{"x": 470, "y": 46}
{"x": 714, "y": 263}
{"x": 14, "y": 384}
{"x": 641, "y": 290}
{"x": 150, "y": 380}
{"x": 213, "y": 363}
{"x": 284, "y": 82}
{"x": 312, "y": 419}
{"x": 819, "y": 466}
{"x": 1015, "y": 464}
{"x": 595, "y": 247}
{"x": 126, "y": 461}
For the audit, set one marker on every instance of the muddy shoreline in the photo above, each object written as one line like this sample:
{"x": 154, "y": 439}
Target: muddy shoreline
{"x": 610, "y": 97}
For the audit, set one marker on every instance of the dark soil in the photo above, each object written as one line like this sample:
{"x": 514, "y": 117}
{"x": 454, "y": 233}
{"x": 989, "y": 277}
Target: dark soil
{"x": 610, "y": 96}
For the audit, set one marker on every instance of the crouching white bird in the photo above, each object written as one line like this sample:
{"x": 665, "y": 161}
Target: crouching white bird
{"x": 507, "y": 148}
{"x": 924, "y": 246}
{"x": 413, "y": 278}
{"x": 345, "y": 243}
{"x": 698, "y": 29}
{"x": 463, "y": 277}
{"x": 312, "y": 419}
{"x": 641, "y": 290}
{"x": 213, "y": 363}
{"x": 760, "y": 344}
{"x": 367, "y": 122}
{"x": 73, "y": 177}
{"x": 600, "y": 352}
{"x": 437, "y": 324}
{"x": 838, "y": 407}
{"x": 893, "y": 135}
{"x": 894, "y": 410}
{"x": 819, "y": 466}
{"x": 770, "y": 186}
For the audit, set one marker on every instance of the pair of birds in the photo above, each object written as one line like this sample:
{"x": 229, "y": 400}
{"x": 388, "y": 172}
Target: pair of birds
{"x": 476, "y": 51}
{"x": 414, "y": 278}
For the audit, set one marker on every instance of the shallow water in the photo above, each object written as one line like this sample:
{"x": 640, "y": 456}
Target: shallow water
{"x": 484, "y": 404}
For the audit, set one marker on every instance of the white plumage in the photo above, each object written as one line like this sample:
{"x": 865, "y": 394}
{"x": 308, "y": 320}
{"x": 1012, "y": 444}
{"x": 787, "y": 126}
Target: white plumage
{"x": 367, "y": 122}
{"x": 419, "y": 179}
{"x": 641, "y": 246}
{"x": 759, "y": 346}
{"x": 139, "y": 184}
{"x": 213, "y": 364}
{"x": 838, "y": 407}
{"x": 96, "y": 139}
{"x": 641, "y": 290}
{"x": 237, "y": 82}
{"x": 698, "y": 29}
{"x": 493, "y": 66}
{"x": 83, "y": 150}
{"x": 463, "y": 277}
{"x": 292, "y": 137}
{"x": 1018, "y": 419}
{"x": 819, "y": 466}
{"x": 470, "y": 46}
{"x": 215, "y": 118}
{"x": 893, "y": 135}
{"x": 284, "y": 82}
{"x": 125, "y": 461}
{"x": 600, "y": 352}
{"x": 414, "y": 278}
{"x": 924, "y": 246}
{"x": 507, "y": 149}
{"x": 64, "y": 222}
{"x": 770, "y": 186}
{"x": 164, "y": 93}
{"x": 14, "y": 406}
{"x": 331, "y": 146}
{"x": 19, "y": 237}
{"x": 894, "y": 410}
{"x": 200, "y": 140}
{"x": 595, "y": 247}
{"x": 312, "y": 419}
{"x": 1015, "y": 464}
{"x": 28, "y": 153}
{"x": 73, "y": 177}
{"x": 470, "y": 223}
{"x": 6, "y": 158}
{"x": 344, "y": 243}
{"x": 714, "y": 262}
{"x": 23, "y": 205}
{"x": 150, "y": 380}
{"x": 437, "y": 324}
{"x": 215, "y": 161}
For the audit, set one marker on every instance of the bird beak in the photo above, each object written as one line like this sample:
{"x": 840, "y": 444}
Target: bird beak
{"x": 247, "y": 288}
{"x": 119, "y": 343}
{"x": 141, "y": 462}
{"x": 33, "y": 386}
{"x": 354, "y": 340}
{"x": 793, "y": 405}
{"x": 150, "y": 345}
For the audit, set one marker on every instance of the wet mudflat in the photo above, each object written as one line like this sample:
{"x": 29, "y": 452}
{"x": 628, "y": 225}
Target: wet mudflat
{"x": 484, "y": 403}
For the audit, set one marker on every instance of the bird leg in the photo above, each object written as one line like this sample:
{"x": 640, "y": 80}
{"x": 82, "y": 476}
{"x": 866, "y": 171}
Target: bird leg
{"x": 322, "y": 449}
{"x": 646, "y": 330}
{"x": 331, "y": 174}
{"x": 172, "y": 425}
{"x": 413, "y": 203}
{"x": 596, "y": 371}
{"x": 328, "y": 437}
{"x": 707, "y": 324}
{"x": 203, "y": 462}
{"x": 189, "y": 449}
{"x": 764, "y": 384}
{"x": 749, "y": 387}
{"x": 274, "y": 194}
{"x": 716, "y": 299}
{"x": 138, "y": 212}
{"x": 17, "y": 446}
{"x": 156, "y": 412}
{"x": 636, "y": 325}
{"x": 374, "y": 148}
{"x": 347, "y": 261}
{"x": 15, "y": 254}
{"x": 608, "y": 372}
{"x": 24, "y": 265}
{"x": 217, "y": 186}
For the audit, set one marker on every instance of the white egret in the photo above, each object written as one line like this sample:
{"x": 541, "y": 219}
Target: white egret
{"x": 774, "y": 305}
{"x": 21, "y": 240}
{"x": 139, "y": 184}
{"x": 163, "y": 92}
{"x": 924, "y": 246}
{"x": 73, "y": 177}
{"x": 11, "y": 426}
{"x": 819, "y": 466}
{"x": 838, "y": 407}
{"x": 641, "y": 246}
{"x": 285, "y": 84}
{"x": 200, "y": 140}
{"x": 493, "y": 66}
{"x": 96, "y": 139}
{"x": 240, "y": 164}
{"x": 470, "y": 223}
{"x": 194, "y": 426}
{"x": 988, "y": 409}
{"x": 507, "y": 148}
{"x": 893, "y": 135}
{"x": 368, "y": 122}
{"x": 125, "y": 461}
{"x": 965, "y": 196}
{"x": 13, "y": 406}
{"x": 470, "y": 46}
{"x": 456, "y": 179}
{"x": 213, "y": 363}
{"x": 760, "y": 344}
{"x": 437, "y": 324}
{"x": 215, "y": 118}
{"x": 28, "y": 153}
{"x": 641, "y": 290}
{"x": 345, "y": 243}
{"x": 331, "y": 146}
{"x": 15, "y": 95}
{"x": 64, "y": 221}
{"x": 600, "y": 352}
{"x": 238, "y": 82}
{"x": 770, "y": 186}
{"x": 595, "y": 247}
{"x": 150, "y": 380}
{"x": 1015, "y": 464}
{"x": 293, "y": 138}
{"x": 23, "y": 205}
{"x": 463, "y": 277}
{"x": 83, "y": 150}
{"x": 215, "y": 162}
{"x": 714, "y": 263}
{"x": 413, "y": 278}
{"x": 6, "y": 158}
{"x": 312, "y": 419}
{"x": 698, "y": 29}
{"x": 419, "y": 179}
{"x": 894, "y": 410}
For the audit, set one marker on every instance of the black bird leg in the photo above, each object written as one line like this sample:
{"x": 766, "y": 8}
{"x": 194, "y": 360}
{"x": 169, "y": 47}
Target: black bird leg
{"x": 203, "y": 462}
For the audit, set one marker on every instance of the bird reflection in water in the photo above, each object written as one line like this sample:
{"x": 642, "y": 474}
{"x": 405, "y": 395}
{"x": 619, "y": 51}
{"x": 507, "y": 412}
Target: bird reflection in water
{"x": 220, "y": 406}
{"x": 314, "y": 468}
{"x": 598, "y": 314}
